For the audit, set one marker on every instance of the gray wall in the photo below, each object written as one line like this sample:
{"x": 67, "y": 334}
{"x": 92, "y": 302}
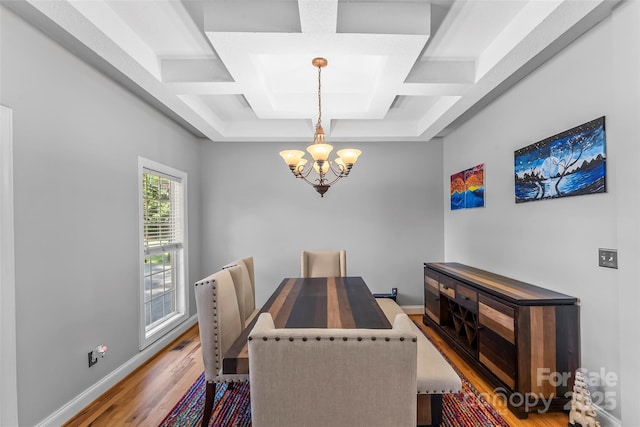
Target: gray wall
{"x": 77, "y": 137}
{"x": 387, "y": 214}
{"x": 554, "y": 243}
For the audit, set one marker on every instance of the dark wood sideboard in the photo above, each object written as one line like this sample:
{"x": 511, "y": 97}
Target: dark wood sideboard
{"x": 524, "y": 339}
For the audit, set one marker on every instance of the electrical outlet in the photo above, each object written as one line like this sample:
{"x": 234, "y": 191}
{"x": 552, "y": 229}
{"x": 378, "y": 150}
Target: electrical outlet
{"x": 93, "y": 354}
{"x": 608, "y": 258}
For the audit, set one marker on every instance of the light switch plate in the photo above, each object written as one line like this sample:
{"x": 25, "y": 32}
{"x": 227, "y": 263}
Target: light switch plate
{"x": 608, "y": 258}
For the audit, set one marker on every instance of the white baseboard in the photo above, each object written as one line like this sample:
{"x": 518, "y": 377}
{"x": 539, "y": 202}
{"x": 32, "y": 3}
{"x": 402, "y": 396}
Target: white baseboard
{"x": 95, "y": 391}
{"x": 413, "y": 309}
{"x": 605, "y": 418}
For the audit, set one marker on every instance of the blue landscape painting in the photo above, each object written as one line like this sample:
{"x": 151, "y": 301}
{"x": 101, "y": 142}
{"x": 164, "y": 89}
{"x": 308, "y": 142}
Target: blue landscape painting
{"x": 467, "y": 188}
{"x": 457, "y": 191}
{"x": 474, "y": 187}
{"x": 570, "y": 163}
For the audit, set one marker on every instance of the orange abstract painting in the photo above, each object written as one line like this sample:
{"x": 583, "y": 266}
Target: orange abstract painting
{"x": 467, "y": 188}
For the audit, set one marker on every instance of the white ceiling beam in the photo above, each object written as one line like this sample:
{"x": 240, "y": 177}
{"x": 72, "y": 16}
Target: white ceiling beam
{"x": 199, "y": 107}
{"x": 100, "y": 14}
{"x": 379, "y": 130}
{"x": 433, "y": 114}
{"x": 271, "y": 129}
{"x": 524, "y": 24}
{"x": 194, "y": 70}
{"x": 191, "y": 22}
{"x": 442, "y": 71}
{"x": 384, "y": 17}
{"x": 434, "y": 89}
{"x": 205, "y": 88}
{"x": 318, "y": 16}
{"x": 252, "y": 16}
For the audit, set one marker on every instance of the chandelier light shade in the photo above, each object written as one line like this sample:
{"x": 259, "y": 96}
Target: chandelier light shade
{"x": 339, "y": 168}
{"x": 320, "y": 152}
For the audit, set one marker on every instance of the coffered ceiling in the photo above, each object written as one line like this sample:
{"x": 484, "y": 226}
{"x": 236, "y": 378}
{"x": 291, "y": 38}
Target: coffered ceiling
{"x": 240, "y": 70}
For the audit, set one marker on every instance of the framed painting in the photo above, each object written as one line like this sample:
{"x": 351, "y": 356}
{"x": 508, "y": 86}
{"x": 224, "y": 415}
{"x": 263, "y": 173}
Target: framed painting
{"x": 571, "y": 163}
{"x": 474, "y": 187}
{"x": 457, "y": 191}
{"x": 467, "y": 188}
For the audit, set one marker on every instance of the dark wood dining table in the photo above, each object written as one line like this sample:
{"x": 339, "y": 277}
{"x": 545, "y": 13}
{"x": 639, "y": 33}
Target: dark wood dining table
{"x": 319, "y": 302}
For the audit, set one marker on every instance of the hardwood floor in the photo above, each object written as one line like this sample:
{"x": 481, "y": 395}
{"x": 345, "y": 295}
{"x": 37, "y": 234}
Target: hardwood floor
{"x": 147, "y": 395}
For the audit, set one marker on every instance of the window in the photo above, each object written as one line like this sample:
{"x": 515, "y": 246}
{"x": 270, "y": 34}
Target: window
{"x": 163, "y": 302}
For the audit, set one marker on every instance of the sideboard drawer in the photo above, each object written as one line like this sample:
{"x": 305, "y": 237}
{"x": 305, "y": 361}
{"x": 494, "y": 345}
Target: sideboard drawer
{"x": 448, "y": 286}
{"x": 432, "y": 283}
{"x": 467, "y": 297}
{"x": 498, "y": 317}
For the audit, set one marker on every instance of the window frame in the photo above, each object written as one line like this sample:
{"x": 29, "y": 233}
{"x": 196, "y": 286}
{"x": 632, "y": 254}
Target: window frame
{"x": 148, "y": 336}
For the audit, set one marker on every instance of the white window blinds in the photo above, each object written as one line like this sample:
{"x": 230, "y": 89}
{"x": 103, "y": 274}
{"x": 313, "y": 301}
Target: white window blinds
{"x": 162, "y": 212}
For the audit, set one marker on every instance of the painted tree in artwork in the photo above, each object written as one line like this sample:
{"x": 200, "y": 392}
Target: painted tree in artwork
{"x": 533, "y": 177}
{"x": 565, "y": 155}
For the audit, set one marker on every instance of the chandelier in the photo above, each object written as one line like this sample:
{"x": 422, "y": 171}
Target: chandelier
{"x": 328, "y": 172}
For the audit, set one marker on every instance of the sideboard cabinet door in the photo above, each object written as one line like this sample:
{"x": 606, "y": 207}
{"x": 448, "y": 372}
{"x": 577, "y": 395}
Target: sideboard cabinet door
{"x": 497, "y": 343}
{"x": 432, "y": 296}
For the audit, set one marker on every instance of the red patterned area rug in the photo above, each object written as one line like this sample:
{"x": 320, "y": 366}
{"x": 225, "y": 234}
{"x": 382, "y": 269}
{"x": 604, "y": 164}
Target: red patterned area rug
{"x": 469, "y": 407}
{"x": 465, "y": 409}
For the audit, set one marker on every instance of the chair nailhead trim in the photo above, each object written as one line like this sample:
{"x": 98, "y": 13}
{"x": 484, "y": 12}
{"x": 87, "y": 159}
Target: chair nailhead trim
{"x": 215, "y": 321}
{"x": 330, "y": 339}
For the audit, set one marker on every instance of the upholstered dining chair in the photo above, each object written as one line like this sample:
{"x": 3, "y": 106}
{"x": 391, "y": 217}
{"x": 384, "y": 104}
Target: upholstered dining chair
{"x": 244, "y": 281}
{"x": 324, "y": 263}
{"x": 332, "y": 377}
{"x": 220, "y": 325}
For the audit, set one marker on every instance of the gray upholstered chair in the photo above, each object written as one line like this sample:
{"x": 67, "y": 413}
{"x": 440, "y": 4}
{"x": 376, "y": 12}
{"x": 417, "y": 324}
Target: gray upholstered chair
{"x": 332, "y": 377}
{"x": 244, "y": 281}
{"x": 324, "y": 263}
{"x": 220, "y": 325}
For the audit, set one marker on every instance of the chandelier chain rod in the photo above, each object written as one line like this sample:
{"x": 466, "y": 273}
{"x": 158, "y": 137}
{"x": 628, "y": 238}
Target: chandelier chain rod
{"x": 319, "y": 97}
